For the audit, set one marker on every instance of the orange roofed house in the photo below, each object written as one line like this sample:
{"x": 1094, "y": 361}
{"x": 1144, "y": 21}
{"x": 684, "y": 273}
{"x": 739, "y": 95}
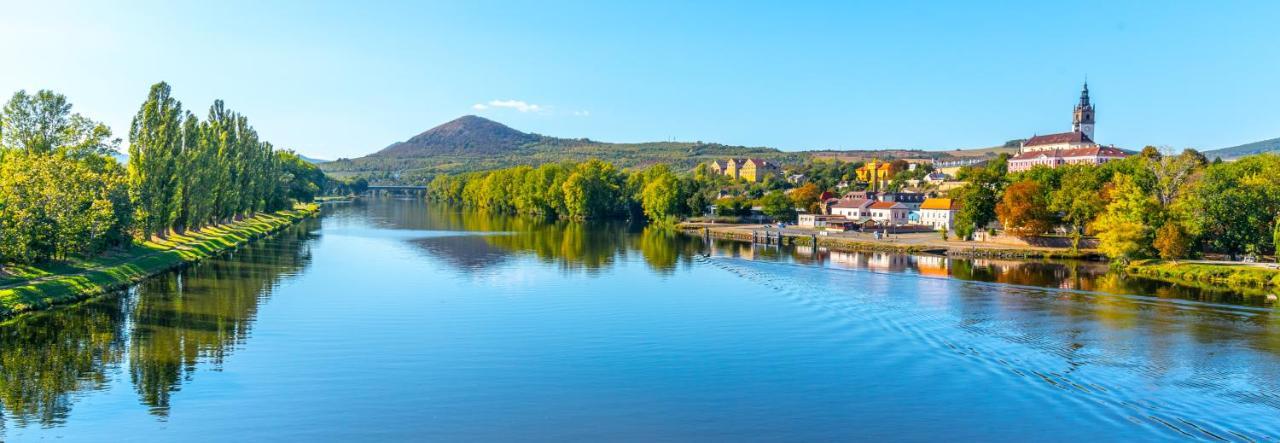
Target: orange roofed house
{"x": 938, "y": 212}
{"x": 1075, "y": 147}
{"x": 749, "y": 169}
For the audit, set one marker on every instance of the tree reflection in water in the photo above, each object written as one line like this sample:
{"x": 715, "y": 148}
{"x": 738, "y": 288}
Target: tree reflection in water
{"x": 160, "y": 330}
{"x": 589, "y": 246}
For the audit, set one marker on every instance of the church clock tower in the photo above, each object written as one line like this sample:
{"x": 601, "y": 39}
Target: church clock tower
{"x": 1082, "y": 118}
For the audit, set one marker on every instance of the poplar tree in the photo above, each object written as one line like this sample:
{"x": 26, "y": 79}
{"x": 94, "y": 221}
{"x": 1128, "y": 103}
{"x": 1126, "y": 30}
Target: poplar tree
{"x": 155, "y": 144}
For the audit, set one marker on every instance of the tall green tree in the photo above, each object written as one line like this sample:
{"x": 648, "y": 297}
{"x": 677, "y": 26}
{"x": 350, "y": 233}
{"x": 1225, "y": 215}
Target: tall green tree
{"x": 595, "y": 189}
{"x": 54, "y": 206}
{"x": 1236, "y": 203}
{"x": 1078, "y": 200}
{"x": 978, "y": 197}
{"x": 155, "y": 147}
{"x": 778, "y": 206}
{"x": 1275, "y": 240}
{"x": 43, "y": 123}
{"x": 662, "y": 197}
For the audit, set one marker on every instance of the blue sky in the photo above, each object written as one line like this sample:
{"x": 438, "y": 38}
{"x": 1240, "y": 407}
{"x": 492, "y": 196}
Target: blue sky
{"x": 342, "y": 79}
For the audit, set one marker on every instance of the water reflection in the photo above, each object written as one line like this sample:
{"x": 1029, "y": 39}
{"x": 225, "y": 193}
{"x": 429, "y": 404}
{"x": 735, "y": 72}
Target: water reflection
{"x": 573, "y": 246}
{"x": 159, "y": 331}
{"x": 1058, "y": 274}
{"x": 45, "y": 359}
{"x": 153, "y": 341}
{"x": 202, "y": 314}
{"x": 594, "y": 246}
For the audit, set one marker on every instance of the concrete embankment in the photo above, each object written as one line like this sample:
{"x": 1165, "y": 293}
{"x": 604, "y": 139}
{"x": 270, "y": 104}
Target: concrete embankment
{"x": 148, "y": 259}
{"x": 914, "y": 243}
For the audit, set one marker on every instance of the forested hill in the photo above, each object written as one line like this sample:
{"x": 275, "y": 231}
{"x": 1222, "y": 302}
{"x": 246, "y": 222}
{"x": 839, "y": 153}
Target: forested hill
{"x": 1272, "y": 145}
{"x": 474, "y": 143}
{"x": 466, "y": 135}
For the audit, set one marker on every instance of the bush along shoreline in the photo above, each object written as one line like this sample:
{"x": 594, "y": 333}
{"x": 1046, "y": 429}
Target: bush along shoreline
{"x": 143, "y": 261}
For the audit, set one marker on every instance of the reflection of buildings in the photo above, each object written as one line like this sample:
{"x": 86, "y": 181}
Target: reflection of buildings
{"x": 882, "y": 261}
{"x": 1001, "y": 266}
{"x": 932, "y": 265}
{"x": 849, "y": 260}
{"x": 876, "y": 261}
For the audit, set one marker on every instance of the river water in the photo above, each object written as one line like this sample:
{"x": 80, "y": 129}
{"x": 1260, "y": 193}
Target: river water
{"x": 397, "y": 320}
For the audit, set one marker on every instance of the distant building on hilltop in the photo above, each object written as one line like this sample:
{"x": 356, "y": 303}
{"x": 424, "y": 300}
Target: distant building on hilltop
{"x": 749, "y": 169}
{"x": 1075, "y": 147}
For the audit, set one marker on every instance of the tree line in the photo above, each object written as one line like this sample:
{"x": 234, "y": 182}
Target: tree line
{"x": 63, "y": 194}
{"x": 589, "y": 190}
{"x": 596, "y": 189}
{"x": 1148, "y": 205}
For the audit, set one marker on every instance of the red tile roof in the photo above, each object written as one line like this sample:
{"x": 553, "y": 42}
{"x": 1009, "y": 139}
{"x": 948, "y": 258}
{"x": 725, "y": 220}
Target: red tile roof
{"x": 1065, "y": 137}
{"x": 1093, "y": 151}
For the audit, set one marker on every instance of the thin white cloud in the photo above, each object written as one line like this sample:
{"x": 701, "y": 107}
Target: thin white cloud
{"x": 518, "y": 105}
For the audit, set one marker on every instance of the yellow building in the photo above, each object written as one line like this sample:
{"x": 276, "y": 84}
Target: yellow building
{"x": 875, "y": 173}
{"x": 749, "y": 169}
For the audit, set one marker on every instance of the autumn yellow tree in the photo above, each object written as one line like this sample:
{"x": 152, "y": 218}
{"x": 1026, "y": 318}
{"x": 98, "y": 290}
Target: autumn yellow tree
{"x": 808, "y": 197}
{"x": 1172, "y": 241}
{"x": 1124, "y": 229}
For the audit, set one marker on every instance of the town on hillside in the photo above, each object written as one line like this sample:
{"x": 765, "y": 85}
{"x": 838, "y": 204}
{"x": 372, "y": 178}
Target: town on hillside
{"x": 911, "y": 194}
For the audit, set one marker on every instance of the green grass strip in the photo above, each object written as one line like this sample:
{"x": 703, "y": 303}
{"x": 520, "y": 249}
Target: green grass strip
{"x": 35, "y": 288}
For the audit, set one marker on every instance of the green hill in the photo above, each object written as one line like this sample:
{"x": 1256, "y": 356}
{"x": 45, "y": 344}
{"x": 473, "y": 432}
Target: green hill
{"x": 472, "y": 143}
{"x": 1272, "y": 145}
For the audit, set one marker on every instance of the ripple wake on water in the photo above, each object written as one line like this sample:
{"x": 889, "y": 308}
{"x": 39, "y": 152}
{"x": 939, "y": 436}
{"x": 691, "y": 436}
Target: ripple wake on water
{"x": 1057, "y": 342}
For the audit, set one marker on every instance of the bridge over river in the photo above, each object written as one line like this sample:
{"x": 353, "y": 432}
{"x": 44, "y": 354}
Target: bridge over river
{"x": 397, "y": 189}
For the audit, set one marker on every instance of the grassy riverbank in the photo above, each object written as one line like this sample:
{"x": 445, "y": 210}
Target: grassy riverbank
{"x": 29, "y": 288}
{"x": 1231, "y": 275}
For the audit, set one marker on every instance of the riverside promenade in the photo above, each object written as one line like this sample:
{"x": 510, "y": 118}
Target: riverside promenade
{"x": 909, "y": 243}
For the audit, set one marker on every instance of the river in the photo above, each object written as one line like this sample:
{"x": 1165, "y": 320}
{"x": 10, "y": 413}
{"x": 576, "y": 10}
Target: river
{"x": 397, "y": 320}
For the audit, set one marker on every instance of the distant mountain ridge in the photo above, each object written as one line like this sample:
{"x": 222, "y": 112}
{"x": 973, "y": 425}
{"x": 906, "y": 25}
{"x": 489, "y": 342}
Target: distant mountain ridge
{"x": 1258, "y": 147}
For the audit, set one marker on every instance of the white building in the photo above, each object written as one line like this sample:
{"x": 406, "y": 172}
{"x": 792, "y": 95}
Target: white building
{"x": 889, "y": 213}
{"x": 818, "y": 220}
{"x": 1075, "y": 147}
{"x": 938, "y": 213}
{"x": 853, "y": 208}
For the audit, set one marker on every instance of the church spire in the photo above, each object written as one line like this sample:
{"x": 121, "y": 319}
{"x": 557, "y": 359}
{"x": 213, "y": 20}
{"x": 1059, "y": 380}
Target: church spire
{"x": 1082, "y": 118}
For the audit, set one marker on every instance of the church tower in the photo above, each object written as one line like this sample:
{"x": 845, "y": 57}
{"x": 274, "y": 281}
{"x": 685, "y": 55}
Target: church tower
{"x": 1082, "y": 118}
